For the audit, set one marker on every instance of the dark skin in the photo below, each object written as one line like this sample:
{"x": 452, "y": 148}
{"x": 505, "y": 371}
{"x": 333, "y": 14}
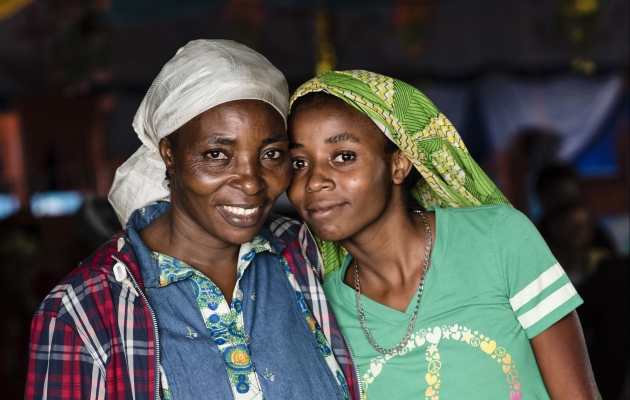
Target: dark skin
{"x": 229, "y": 166}
{"x": 348, "y": 191}
{"x": 563, "y": 361}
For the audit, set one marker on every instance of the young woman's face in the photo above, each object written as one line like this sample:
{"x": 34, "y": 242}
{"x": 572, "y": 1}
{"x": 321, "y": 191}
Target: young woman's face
{"x": 228, "y": 168}
{"x": 341, "y": 182}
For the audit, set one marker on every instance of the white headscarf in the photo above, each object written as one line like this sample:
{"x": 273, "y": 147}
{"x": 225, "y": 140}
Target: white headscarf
{"x": 202, "y": 75}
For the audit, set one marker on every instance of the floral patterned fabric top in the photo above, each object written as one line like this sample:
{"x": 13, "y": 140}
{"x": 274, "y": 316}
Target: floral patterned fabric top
{"x": 224, "y": 321}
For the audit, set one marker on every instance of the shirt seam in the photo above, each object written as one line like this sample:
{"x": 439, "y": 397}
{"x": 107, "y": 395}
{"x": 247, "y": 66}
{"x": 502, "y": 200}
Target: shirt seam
{"x": 496, "y": 257}
{"x": 69, "y": 322}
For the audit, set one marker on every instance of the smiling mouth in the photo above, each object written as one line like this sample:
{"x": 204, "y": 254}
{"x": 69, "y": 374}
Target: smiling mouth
{"x": 240, "y": 211}
{"x": 241, "y": 217}
{"x": 324, "y": 211}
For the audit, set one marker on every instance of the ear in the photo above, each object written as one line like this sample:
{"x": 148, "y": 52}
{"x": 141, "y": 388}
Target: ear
{"x": 166, "y": 152}
{"x": 401, "y": 166}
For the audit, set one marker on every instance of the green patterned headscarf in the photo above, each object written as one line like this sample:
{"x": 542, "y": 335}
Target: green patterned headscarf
{"x": 428, "y": 139}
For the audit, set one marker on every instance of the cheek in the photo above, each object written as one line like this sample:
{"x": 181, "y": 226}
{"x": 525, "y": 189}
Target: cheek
{"x": 285, "y": 170}
{"x": 200, "y": 178}
{"x": 278, "y": 176}
{"x": 370, "y": 183}
{"x": 296, "y": 192}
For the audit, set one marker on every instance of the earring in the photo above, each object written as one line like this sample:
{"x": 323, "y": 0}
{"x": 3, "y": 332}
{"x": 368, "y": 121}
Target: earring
{"x": 168, "y": 178}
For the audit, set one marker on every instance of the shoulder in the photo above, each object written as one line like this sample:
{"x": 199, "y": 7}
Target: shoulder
{"x": 92, "y": 318}
{"x": 470, "y": 221}
{"x": 480, "y": 212}
{"x": 86, "y": 289}
{"x": 489, "y": 217}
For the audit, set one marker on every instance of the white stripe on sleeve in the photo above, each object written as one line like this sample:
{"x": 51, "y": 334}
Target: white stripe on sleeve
{"x": 555, "y": 300}
{"x": 537, "y": 286}
{"x": 51, "y": 332}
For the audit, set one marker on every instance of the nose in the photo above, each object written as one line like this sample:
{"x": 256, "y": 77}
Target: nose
{"x": 318, "y": 180}
{"x": 249, "y": 177}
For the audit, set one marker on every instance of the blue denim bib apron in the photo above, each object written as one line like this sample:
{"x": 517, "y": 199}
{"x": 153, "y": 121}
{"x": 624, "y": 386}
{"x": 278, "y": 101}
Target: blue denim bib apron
{"x": 281, "y": 345}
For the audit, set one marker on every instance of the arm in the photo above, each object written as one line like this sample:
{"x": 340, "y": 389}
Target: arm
{"x": 60, "y": 367}
{"x": 563, "y": 361}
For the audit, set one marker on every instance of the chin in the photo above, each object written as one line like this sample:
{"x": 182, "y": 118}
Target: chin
{"x": 328, "y": 233}
{"x": 238, "y": 238}
{"x": 237, "y": 235}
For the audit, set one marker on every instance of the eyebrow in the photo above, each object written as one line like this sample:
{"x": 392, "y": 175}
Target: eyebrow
{"x": 275, "y": 139}
{"x": 223, "y": 140}
{"x": 232, "y": 142}
{"x": 344, "y": 137}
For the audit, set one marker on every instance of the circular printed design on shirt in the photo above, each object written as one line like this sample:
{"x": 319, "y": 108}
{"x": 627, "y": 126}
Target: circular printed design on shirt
{"x": 237, "y": 358}
{"x": 242, "y": 386}
{"x": 429, "y": 339}
{"x": 249, "y": 256}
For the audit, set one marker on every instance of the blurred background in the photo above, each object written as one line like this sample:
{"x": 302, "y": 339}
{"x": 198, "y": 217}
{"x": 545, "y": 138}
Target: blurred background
{"x": 538, "y": 89}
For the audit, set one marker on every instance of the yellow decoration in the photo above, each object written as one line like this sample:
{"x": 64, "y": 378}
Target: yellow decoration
{"x": 432, "y": 377}
{"x": 240, "y": 358}
{"x": 585, "y": 7}
{"x": 10, "y": 7}
{"x": 311, "y": 323}
{"x": 326, "y": 59}
{"x": 586, "y": 66}
{"x": 577, "y": 22}
{"x": 488, "y": 347}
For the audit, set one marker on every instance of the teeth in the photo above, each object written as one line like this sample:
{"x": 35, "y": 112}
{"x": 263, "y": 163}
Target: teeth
{"x": 240, "y": 211}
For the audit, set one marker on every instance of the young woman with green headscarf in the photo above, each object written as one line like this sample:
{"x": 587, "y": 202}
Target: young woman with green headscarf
{"x": 440, "y": 287}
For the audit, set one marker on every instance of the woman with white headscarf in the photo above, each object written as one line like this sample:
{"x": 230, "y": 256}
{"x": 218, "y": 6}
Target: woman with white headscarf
{"x": 203, "y": 295}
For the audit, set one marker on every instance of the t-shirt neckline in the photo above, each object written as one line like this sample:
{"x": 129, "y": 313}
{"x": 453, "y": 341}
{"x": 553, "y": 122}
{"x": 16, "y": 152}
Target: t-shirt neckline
{"x": 391, "y": 315}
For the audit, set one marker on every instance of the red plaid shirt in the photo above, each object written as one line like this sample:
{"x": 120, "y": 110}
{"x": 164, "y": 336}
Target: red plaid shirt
{"x": 93, "y": 337}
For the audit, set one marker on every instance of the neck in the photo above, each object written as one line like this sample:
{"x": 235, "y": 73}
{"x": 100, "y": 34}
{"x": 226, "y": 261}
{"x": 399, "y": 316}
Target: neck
{"x": 176, "y": 235}
{"x": 390, "y": 255}
{"x": 382, "y": 250}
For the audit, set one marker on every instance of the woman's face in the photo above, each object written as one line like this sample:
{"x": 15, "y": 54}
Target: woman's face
{"x": 341, "y": 182}
{"x": 227, "y": 169}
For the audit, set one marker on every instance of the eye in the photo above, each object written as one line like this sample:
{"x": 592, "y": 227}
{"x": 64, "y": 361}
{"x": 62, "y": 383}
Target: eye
{"x": 273, "y": 154}
{"x": 299, "y": 163}
{"x": 216, "y": 155}
{"x": 345, "y": 157}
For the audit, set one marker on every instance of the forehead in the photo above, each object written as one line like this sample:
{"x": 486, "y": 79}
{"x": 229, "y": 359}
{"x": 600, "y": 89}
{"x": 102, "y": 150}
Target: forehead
{"x": 333, "y": 123}
{"x": 246, "y": 109}
{"x": 238, "y": 120}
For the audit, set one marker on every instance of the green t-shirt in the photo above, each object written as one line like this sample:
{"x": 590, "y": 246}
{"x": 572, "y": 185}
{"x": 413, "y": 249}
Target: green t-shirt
{"x": 492, "y": 285}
